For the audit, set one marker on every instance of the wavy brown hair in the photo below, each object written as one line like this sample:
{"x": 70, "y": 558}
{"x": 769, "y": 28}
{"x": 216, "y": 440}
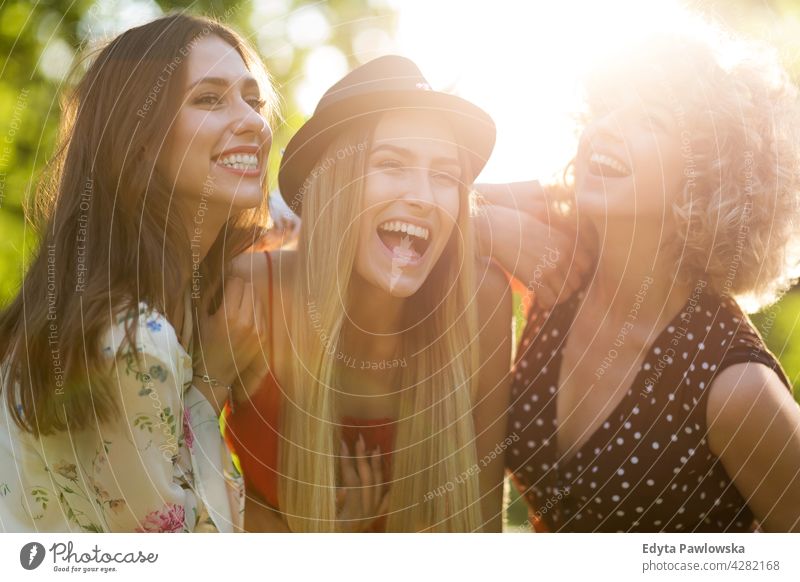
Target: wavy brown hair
{"x": 112, "y": 236}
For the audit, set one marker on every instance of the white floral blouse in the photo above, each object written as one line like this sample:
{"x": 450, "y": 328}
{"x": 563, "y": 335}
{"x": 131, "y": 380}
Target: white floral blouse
{"x": 162, "y": 466}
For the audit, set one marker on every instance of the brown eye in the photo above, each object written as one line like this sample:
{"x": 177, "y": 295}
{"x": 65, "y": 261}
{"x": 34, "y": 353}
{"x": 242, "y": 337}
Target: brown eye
{"x": 208, "y": 99}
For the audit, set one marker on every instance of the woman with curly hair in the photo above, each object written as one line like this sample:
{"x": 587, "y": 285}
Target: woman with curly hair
{"x": 647, "y": 401}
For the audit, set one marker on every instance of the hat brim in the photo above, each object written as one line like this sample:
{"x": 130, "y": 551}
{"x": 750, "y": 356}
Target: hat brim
{"x": 474, "y": 131}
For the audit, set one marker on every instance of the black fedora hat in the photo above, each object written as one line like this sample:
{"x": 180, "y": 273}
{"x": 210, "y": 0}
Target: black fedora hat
{"x": 389, "y": 83}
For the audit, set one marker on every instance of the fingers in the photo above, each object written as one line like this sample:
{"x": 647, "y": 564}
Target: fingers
{"x": 365, "y": 475}
{"x": 349, "y": 474}
{"x": 383, "y": 508}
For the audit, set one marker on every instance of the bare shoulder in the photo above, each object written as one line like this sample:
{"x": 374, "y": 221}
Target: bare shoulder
{"x": 494, "y": 293}
{"x": 249, "y": 266}
{"x": 495, "y": 329}
{"x": 744, "y": 394}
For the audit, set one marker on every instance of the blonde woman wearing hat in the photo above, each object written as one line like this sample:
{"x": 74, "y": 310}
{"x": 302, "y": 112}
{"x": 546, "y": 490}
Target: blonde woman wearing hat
{"x": 389, "y": 343}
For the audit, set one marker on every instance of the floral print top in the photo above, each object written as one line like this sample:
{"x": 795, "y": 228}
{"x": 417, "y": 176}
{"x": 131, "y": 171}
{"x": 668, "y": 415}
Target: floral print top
{"x": 161, "y": 466}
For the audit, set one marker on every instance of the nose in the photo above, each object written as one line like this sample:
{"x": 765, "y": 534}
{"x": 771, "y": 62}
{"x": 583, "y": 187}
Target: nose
{"x": 605, "y": 127}
{"x": 420, "y": 193}
{"x": 249, "y": 121}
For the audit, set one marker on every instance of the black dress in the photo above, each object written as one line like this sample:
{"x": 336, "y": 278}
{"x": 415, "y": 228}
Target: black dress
{"x": 648, "y": 467}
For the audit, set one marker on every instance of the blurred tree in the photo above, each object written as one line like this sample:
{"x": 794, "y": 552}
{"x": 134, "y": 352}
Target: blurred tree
{"x": 39, "y": 41}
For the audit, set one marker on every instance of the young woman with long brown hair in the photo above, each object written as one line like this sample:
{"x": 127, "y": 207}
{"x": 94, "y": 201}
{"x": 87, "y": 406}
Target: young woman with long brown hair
{"x": 108, "y": 422}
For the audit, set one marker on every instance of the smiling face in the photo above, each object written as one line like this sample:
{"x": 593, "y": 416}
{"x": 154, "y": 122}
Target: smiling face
{"x": 629, "y": 160}
{"x": 219, "y": 143}
{"x": 412, "y": 194}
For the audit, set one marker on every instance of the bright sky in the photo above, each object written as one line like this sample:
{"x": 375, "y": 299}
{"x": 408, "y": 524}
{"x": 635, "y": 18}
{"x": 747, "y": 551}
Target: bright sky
{"x": 519, "y": 60}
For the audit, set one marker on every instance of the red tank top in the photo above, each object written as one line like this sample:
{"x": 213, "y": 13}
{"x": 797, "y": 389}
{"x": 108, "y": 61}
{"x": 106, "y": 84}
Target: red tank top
{"x": 252, "y": 431}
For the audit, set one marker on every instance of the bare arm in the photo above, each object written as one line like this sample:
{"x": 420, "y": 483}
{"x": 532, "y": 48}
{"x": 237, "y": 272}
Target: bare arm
{"x": 516, "y": 226}
{"x": 754, "y": 428}
{"x": 491, "y": 405}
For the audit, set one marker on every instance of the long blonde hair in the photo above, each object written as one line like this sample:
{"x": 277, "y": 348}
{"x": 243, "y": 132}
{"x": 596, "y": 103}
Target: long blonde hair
{"x": 435, "y": 444}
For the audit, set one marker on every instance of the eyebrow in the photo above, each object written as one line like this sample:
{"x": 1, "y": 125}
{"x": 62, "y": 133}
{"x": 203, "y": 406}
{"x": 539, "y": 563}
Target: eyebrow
{"x": 248, "y": 82}
{"x": 409, "y": 153}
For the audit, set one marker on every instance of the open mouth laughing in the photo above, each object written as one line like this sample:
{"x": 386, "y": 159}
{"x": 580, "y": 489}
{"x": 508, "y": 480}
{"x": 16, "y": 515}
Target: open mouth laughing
{"x": 405, "y": 239}
{"x": 608, "y": 166}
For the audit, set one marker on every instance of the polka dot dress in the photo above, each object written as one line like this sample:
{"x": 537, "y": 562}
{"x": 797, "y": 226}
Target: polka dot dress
{"x": 648, "y": 467}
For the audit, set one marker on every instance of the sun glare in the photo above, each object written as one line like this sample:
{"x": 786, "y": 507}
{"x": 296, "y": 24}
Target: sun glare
{"x": 522, "y": 62}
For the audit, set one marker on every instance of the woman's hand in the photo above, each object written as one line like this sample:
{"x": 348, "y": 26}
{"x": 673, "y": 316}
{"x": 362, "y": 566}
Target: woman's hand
{"x": 515, "y": 226}
{"x": 230, "y": 343}
{"x": 363, "y": 498}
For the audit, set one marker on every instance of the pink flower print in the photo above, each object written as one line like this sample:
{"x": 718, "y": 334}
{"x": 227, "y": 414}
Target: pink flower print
{"x": 169, "y": 519}
{"x": 68, "y": 470}
{"x": 188, "y": 436}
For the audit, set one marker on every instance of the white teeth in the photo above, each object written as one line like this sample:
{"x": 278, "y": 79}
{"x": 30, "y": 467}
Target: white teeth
{"x": 405, "y": 227}
{"x": 612, "y": 163}
{"x": 240, "y": 161}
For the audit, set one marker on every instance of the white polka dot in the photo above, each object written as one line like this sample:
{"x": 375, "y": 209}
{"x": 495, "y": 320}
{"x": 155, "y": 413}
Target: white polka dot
{"x": 554, "y": 333}
{"x": 524, "y": 363}
{"x": 539, "y": 422}
{"x": 701, "y": 346}
{"x": 637, "y": 435}
{"x": 635, "y": 460}
{"x": 620, "y": 441}
{"x": 620, "y": 472}
{"x": 690, "y": 336}
{"x": 606, "y": 425}
{"x": 625, "y": 485}
{"x": 615, "y": 498}
{"x": 526, "y": 407}
{"x": 657, "y": 350}
{"x": 531, "y": 444}
{"x": 655, "y": 445}
{"x": 650, "y": 482}
{"x": 646, "y": 366}
{"x": 627, "y": 425}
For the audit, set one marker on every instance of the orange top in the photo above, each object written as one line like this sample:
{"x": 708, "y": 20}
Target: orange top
{"x": 252, "y": 431}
